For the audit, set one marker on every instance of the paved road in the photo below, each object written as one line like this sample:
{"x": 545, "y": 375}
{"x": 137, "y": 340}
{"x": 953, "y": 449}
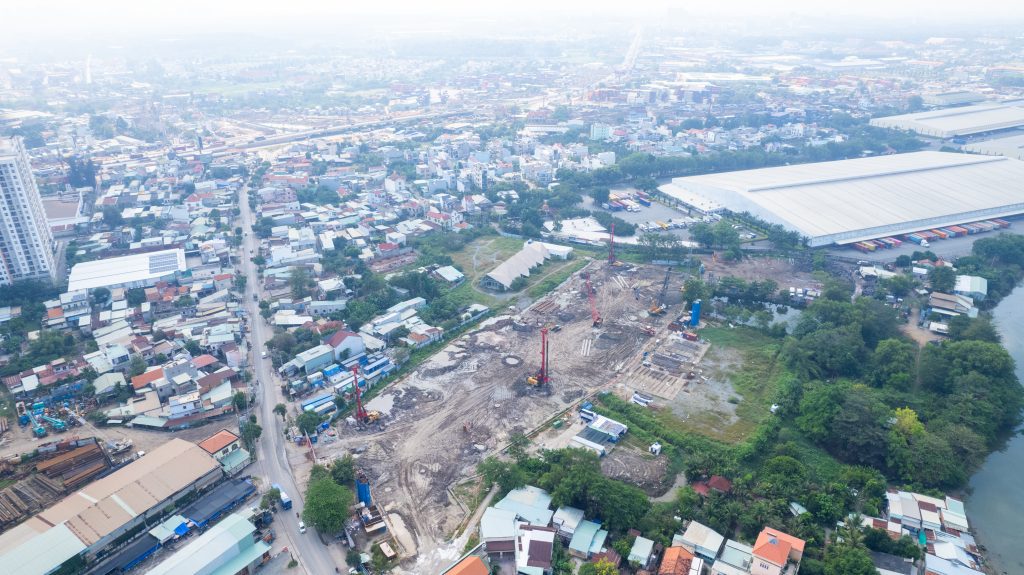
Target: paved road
{"x": 313, "y": 555}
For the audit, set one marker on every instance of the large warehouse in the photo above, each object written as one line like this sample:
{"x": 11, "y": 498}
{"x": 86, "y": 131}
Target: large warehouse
{"x": 952, "y": 122}
{"x": 853, "y": 200}
{"x": 1010, "y": 146}
{"x": 90, "y": 519}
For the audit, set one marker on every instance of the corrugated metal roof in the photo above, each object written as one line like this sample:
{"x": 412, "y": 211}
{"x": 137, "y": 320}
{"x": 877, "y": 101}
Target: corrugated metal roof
{"x": 852, "y": 200}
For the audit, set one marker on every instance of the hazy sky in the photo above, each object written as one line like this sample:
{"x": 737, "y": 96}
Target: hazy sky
{"x": 53, "y": 20}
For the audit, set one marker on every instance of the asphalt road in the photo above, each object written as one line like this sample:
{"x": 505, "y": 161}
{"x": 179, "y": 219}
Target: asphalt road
{"x": 313, "y": 556}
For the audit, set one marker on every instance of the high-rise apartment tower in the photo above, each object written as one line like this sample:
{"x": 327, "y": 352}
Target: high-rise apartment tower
{"x": 26, "y": 242}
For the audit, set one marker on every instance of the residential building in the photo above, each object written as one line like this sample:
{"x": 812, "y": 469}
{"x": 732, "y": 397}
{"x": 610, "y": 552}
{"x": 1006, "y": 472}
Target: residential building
{"x": 530, "y": 504}
{"x": 734, "y": 560}
{"x": 498, "y": 532}
{"x": 26, "y": 242}
{"x": 587, "y": 540}
{"x": 974, "y": 287}
{"x": 346, "y": 344}
{"x": 226, "y": 448}
{"x": 471, "y": 565}
{"x": 534, "y": 549}
{"x": 702, "y": 540}
{"x": 774, "y": 552}
{"x": 642, "y": 552}
{"x": 679, "y": 561}
{"x": 887, "y": 564}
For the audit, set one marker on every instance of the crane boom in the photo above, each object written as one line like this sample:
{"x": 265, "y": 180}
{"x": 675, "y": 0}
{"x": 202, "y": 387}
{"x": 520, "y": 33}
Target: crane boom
{"x": 611, "y": 244}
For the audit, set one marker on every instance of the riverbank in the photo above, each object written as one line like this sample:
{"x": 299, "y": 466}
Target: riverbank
{"x": 996, "y": 503}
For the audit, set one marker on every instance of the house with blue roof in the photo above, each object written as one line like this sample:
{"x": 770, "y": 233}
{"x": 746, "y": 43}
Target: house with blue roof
{"x": 587, "y": 540}
{"x": 531, "y": 504}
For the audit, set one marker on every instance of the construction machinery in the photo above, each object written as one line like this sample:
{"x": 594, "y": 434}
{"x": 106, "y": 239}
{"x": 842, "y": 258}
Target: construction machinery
{"x": 611, "y": 244}
{"x": 542, "y": 377}
{"x": 596, "y": 317}
{"x": 362, "y": 416}
{"x": 658, "y": 307}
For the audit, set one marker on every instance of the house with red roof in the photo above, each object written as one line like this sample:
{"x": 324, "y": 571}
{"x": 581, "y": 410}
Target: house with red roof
{"x": 346, "y": 344}
{"x": 776, "y": 553}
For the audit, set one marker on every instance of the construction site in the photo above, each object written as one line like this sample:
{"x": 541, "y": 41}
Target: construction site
{"x": 611, "y": 326}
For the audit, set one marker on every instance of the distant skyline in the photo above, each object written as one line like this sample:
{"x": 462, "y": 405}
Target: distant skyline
{"x": 64, "y": 22}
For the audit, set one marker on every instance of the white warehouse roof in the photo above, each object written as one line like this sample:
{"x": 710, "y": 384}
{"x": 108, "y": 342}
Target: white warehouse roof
{"x": 853, "y": 200}
{"x": 136, "y": 270}
{"x": 951, "y": 122}
{"x": 1011, "y": 147}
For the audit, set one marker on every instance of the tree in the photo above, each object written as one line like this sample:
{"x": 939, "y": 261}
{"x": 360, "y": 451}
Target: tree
{"x": 327, "y": 506}
{"x": 137, "y": 366}
{"x": 517, "y": 447}
{"x": 250, "y": 432}
{"x": 112, "y": 217}
{"x": 100, "y": 296}
{"x": 703, "y": 233}
{"x": 518, "y": 284}
{"x": 192, "y": 346}
{"x": 726, "y": 236}
{"x": 298, "y": 280}
{"x": 135, "y": 296}
{"x": 963, "y": 328}
{"x": 893, "y": 364}
{"x": 308, "y": 422}
{"x": 240, "y": 401}
{"x": 903, "y": 261}
{"x": 281, "y": 409}
{"x": 942, "y": 278}
{"x": 600, "y": 195}
{"x": 343, "y": 470}
{"x": 847, "y": 560}
{"x": 602, "y": 567}
{"x": 270, "y": 498}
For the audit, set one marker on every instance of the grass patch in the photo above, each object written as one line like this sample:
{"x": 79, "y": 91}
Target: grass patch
{"x": 483, "y": 254}
{"x": 757, "y": 380}
{"x": 5, "y": 483}
{"x": 553, "y": 279}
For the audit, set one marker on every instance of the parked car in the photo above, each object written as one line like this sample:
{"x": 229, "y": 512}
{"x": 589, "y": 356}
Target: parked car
{"x": 302, "y": 527}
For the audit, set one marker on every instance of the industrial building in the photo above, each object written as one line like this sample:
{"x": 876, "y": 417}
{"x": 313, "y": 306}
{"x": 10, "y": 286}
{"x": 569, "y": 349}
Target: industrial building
{"x": 26, "y": 242}
{"x": 848, "y": 201}
{"x": 1010, "y": 146}
{"x": 952, "y": 122}
{"x": 228, "y": 548}
{"x": 88, "y": 521}
{"x": 132, "y": 271}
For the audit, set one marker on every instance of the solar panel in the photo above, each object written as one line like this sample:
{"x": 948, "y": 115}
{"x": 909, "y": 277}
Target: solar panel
{"x": 163, "y": 263}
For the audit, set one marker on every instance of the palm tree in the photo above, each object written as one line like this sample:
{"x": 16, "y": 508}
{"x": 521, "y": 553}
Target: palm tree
{"x": 281, "y": 410}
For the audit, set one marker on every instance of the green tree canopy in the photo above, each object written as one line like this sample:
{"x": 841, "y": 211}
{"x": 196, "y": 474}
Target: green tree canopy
{"x": 327, "y": 506}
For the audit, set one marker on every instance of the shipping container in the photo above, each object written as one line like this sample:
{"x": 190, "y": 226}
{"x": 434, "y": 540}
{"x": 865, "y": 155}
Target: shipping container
{"x": 941, "y": 234}
{"x": 644, "y": 201}
{"x": 960, "y": 230}
{"x": 896, "y": 243}
{"x": 1002, "y": 223}
{"x": 286, "y": 502}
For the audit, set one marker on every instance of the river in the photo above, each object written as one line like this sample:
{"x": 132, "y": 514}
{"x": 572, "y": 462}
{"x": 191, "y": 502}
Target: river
{"x": 996, "y": 506}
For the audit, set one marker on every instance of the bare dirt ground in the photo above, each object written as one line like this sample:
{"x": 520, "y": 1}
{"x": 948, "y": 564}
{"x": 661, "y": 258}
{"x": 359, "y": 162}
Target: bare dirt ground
{"x": 640, "y": 468}
{"x": 468, "y": 399}
{"x": 705, "y": 402}
{"x": 779, "y": 270}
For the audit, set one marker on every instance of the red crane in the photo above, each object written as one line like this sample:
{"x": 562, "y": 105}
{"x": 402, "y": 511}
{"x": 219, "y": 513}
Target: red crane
{"x": 611, "y": 244}
{"x": 542, "y": 377}
{"x": 593, "y": 304}
{"x": 361, "y": 414}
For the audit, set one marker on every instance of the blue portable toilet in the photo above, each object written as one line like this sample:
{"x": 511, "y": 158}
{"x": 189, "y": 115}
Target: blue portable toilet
{"x": 695, "y": 313}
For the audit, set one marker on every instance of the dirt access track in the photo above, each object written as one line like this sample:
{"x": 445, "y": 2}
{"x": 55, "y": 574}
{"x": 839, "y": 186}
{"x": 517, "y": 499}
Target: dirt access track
{"x": 464, "y": 403}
